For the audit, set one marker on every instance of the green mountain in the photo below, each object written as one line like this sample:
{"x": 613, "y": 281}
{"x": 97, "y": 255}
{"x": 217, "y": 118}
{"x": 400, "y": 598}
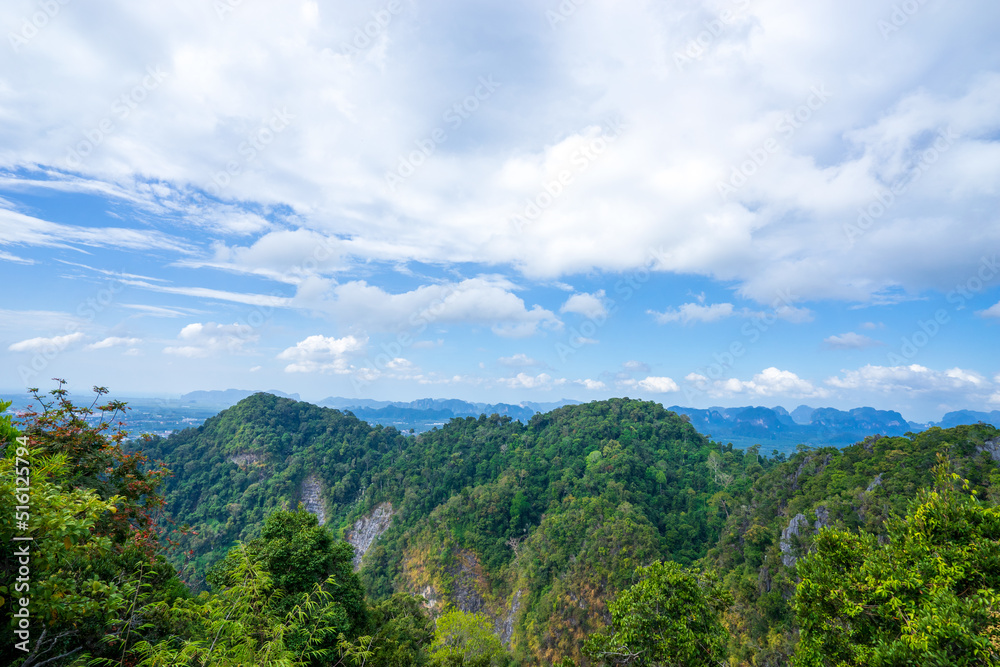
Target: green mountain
{"x": 539, "y": 526}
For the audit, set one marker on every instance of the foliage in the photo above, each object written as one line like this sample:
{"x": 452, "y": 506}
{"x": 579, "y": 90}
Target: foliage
{"x": 466, "y": 640}
{"x": 670, "y": 617}
{"x": 94, "y": 562}
{"x": 929, "y": 596}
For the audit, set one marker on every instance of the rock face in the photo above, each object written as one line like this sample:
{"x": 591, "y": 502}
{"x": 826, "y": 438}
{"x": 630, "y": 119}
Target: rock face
{"x": 506, "y": 625}
{"x": 367, "y": 529}
{"x": 993, "y": 447}
{"x": 822, "y": 518}
{"x": 312, "y": 498}
{"x": 798, "y": 522}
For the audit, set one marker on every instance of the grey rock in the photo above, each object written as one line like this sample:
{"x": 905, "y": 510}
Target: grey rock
{"x": 992, "y": 447}
{"x": 367, "y": 529}
{"x": 312, "y": 498}
{"x": 794, "y": 527}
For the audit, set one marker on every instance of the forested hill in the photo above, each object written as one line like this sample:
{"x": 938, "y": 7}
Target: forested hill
{"x": 540, "y": 525}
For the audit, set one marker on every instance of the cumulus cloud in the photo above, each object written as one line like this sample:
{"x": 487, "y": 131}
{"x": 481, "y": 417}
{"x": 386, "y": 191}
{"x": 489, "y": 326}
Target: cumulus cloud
{"x": 486, "y": 301}
{"x": 992, "y": 311}
{"x": 850, "y": 341}
{"x": 588, "y": 305}
{"x": 525, "y": 381}
{"x": 912, "y": 379}
{"x": 659, "y": 385}
{"x": 205, "y": 339}
{"x": 592, "y": 385}
{"x": 42, "y": 343}
{"x": 769, "y": 382}
{"x": 325, "y": 354}
{"x": 285, "y": 255}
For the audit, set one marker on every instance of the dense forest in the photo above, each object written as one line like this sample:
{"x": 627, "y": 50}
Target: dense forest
{"x": 608, "y": 533}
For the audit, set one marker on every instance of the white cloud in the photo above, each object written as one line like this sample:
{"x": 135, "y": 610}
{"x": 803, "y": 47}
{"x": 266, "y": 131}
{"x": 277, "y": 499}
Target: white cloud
{"x": 355, "y": 116}
{"x": 694, "y": 312}
{"x": 525, "y": 381}
{"x": 518, "y": 360}
{"x": 42, "y": 343}
{"x": 323, "y": 354}
{"x": 592, "y": 385}
{"x": 7, "y": 257}
{"x": 287, "y": 256}
{"x": 480, "y": 301}
{"x": 912, "y": 379}
{"x": 850, "y": 341}
{"x": 17, "y": 228}
{"x": 769, "y": 382}
{"x": 588, "y": 305}
{"x": 114, "y": 341}
{"x": 992, "y": 311}
{"x": 660, "y": 385}
{"x": 577, "y": 341}
{"x": 205, "y": 339}
{"x": 265, "y": 300}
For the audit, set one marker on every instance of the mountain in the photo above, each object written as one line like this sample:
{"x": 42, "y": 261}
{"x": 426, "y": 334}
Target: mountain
{"x": 778, "y": 430}
{"x": 802, "y": 414}
{"x": 225, "y": 398}
{"x": 960, "y": 417}
{"x": 425, "y": 413}
{"x": 539, "y": 525}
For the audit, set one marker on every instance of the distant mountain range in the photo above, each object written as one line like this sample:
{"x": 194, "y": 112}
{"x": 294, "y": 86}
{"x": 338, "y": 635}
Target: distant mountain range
{"x": 772, "y": 428}
{"x": 426, "y": 413}
{"x": 228, "y": 397}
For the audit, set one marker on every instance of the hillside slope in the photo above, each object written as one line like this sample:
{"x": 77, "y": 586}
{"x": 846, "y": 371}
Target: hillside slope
{"x": 540, "y": 525}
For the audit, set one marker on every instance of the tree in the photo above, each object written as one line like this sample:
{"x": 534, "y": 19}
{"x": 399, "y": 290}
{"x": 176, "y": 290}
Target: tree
{"x": 927, "y": 597}
{"x": 92, "y": 509}
{"x": 467, "y": 640}
{"x": 298, "y": 554}
{"x": 670, "y": 617}
{"x": 402, "y": 632}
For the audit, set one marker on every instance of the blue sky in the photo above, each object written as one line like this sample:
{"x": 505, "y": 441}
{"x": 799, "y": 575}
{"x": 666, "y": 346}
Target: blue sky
{"x": 702, "y": 203}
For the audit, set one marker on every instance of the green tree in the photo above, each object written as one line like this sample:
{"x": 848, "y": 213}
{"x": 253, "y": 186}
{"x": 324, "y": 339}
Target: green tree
{"x": 927, "y": 597}
{"x": 402, "y": 632}
{"x": 670, "y": 617}
{"x": 467, "y": 640}
{"x": 93, "y": 509}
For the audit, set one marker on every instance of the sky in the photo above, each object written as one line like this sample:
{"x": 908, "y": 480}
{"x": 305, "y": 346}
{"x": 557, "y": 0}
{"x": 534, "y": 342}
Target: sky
{"x": 731, "y": 202}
